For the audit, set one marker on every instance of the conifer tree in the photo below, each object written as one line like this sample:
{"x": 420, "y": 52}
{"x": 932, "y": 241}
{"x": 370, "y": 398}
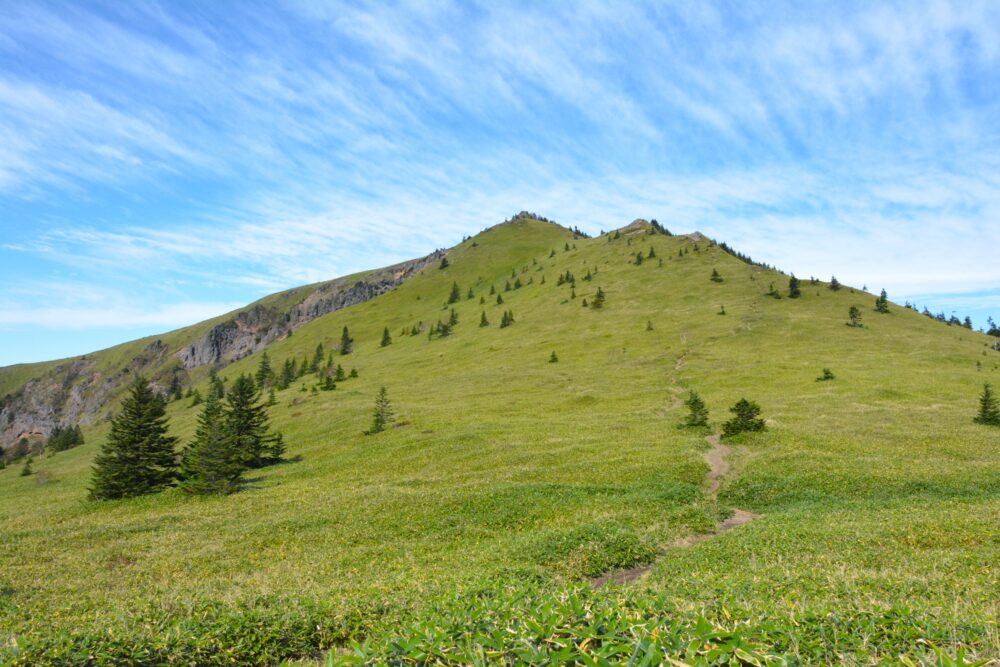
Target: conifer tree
{"x": 265, "y": 374}
{"x": 854, "y": 315}
{"x": 483, "y": 322}
{"x": 552, "y": 254}
{"x": 572, "y": 293}
{"x": 317, "y": 361}
{"x": 353, "y": 373}
{"x": 215, "y": 385}
{"x": 211, "y": 464}
{"x": 584, "y": 303}
{"x": 470, "y": 295}
{"x": 138, "y": 456}
{"x": 697, "y": 411}
{"x": 716, "y": 278}
{"x": 834, "y": 283}
{"x": 794, "y": 291}
{"x": 386, "y": 338}
{"x": 339, "y": 375}
{"x": 444, "y": 263}
{"x": 745, "y": 419}
{"x": 649, "y": 325}
{"x": 26, "y": 469}
{"x": 195, "y": 398}
{"x": 493, "y": 290}
{"x": 598, "y": 301}
{"x": 272, "y": 399}
{"x": 455, "y": 294}
{"x": 499, "y": 299}
{"x": 553, "y": 358}
{"x": 652, "y": 253}
{"x": 247, "y": 425}
{"x": 453, "y": 318}
{"x": 287, "y": 374}
{"x": 382, "y": 414}
{"x": 566, "y": 248}
{"x": 882, "y": 303}
{"x": 638, "y": 258}
{"x": 989, "y": 410}
{"x": 506, "y": 287}
{"x": 482, "y": 300}
{"x": 346, "y": 342}
{"x": 517, "y": 283}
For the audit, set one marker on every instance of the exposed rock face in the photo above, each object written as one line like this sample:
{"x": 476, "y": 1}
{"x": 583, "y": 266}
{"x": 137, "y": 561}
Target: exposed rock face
{"x": 257, "y": 327}
{"x": 77, "y": 392}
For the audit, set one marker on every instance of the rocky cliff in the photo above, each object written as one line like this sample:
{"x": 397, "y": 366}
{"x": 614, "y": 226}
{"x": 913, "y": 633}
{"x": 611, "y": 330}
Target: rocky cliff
{"x": 80, "y": 391}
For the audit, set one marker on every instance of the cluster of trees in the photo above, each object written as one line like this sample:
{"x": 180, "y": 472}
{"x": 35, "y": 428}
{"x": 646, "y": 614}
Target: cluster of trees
{"x": 746, "y": 416}
{"x": 658, "y": 228}
{"x": 139, "y": 455}
{"x": 64, "y": 437}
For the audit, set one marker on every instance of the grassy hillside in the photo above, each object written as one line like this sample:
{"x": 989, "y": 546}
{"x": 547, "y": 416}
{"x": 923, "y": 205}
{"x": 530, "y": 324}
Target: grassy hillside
{"x": 470, "y": 530}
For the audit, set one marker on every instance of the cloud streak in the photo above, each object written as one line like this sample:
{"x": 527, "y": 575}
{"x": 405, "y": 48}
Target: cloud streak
{"x": 219, "y": 153}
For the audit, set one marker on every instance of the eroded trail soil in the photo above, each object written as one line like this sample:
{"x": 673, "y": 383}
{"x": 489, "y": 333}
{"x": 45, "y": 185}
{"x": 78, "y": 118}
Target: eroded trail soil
{"x": 718, "y": 467}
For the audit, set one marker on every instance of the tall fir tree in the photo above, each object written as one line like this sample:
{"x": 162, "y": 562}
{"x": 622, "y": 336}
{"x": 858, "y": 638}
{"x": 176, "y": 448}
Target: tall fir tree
{"x": 455, "y": 294}
{"x": 834, "y": 283}
{"x": 247, "y": 425}
{"x": 386, "y": 338}
{"x": 265, "y": 374}
{"x": 317, "y": 361}
{"x": 138, "y": 456}
{"x": 346, "y": 342}
{"x": 483, "y": 322}
{"x": 211, "y": 464}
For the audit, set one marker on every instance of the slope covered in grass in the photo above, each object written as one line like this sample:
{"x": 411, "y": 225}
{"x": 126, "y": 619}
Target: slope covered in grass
{"x": 507, "y": 476}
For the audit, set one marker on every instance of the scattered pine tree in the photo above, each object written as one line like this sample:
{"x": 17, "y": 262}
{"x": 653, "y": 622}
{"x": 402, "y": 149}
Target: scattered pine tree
{"x": 483, "y": 322}
{"x": 716, "y": 278}
{"x": 386, "y": 338}
{"x": 265, "y": 374}
{"x": 382, "y": 415}
{"x": 826, "y": 376}
{"x": 794, "y": 291}
{"x": 346, "y": 342}
{"x": 854, "y": 315}
{"x": 26, "y": 469}
{"x": 598, "y": 301}
{"x": 882, "y": 303}
{"x": 444, "y": 263}
{"x": 745, "y": 419}
{"x": 499, "y": 299}
{"x": 834, "y": 283}
{"x": 455, "y": 293}
{"x": 989, "y": 410}
{"x": 553, "y": 358}
{"x": 697, "y": 410}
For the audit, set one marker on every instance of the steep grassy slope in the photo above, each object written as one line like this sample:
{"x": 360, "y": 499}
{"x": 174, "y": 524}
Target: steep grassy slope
{"x": 879, "y": 499}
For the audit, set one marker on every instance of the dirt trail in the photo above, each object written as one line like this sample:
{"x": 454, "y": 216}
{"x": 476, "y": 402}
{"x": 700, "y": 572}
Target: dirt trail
{"x": 717, "y": 469}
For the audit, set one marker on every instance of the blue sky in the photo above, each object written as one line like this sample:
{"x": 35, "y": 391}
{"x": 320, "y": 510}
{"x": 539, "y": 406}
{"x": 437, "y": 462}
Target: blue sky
{"x": 163, "y": 163}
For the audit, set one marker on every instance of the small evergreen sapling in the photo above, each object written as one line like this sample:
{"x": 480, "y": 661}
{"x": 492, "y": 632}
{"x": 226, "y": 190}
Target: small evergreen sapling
{"x": 598, "y": 301}
{"x": 745, "y": 419}
{"x": 483, "y": 322}
{"x": 697, "y": 410}
{"x": 455, "y": 293}
{"x": 826, "y": 376}
{"x": 989, "y": 410}
{"x": 382, "y": 414}
{"x": 716, "y": 278}
{"x": 834, "y": 283}
{"x": 386, "y": 338}
{"x": 854, "y": 315}
{"x": 553, "y": 358}
{"x": 444, "y": 263}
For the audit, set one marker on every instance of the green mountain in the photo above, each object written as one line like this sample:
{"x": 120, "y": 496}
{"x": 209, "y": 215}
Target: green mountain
{"x": 521, "y": 509}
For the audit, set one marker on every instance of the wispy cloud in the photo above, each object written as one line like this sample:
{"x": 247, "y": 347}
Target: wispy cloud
{"x": 182, "y": 153}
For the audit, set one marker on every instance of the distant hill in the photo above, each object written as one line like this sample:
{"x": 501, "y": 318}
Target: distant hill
{"x": 536, "y": 497}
